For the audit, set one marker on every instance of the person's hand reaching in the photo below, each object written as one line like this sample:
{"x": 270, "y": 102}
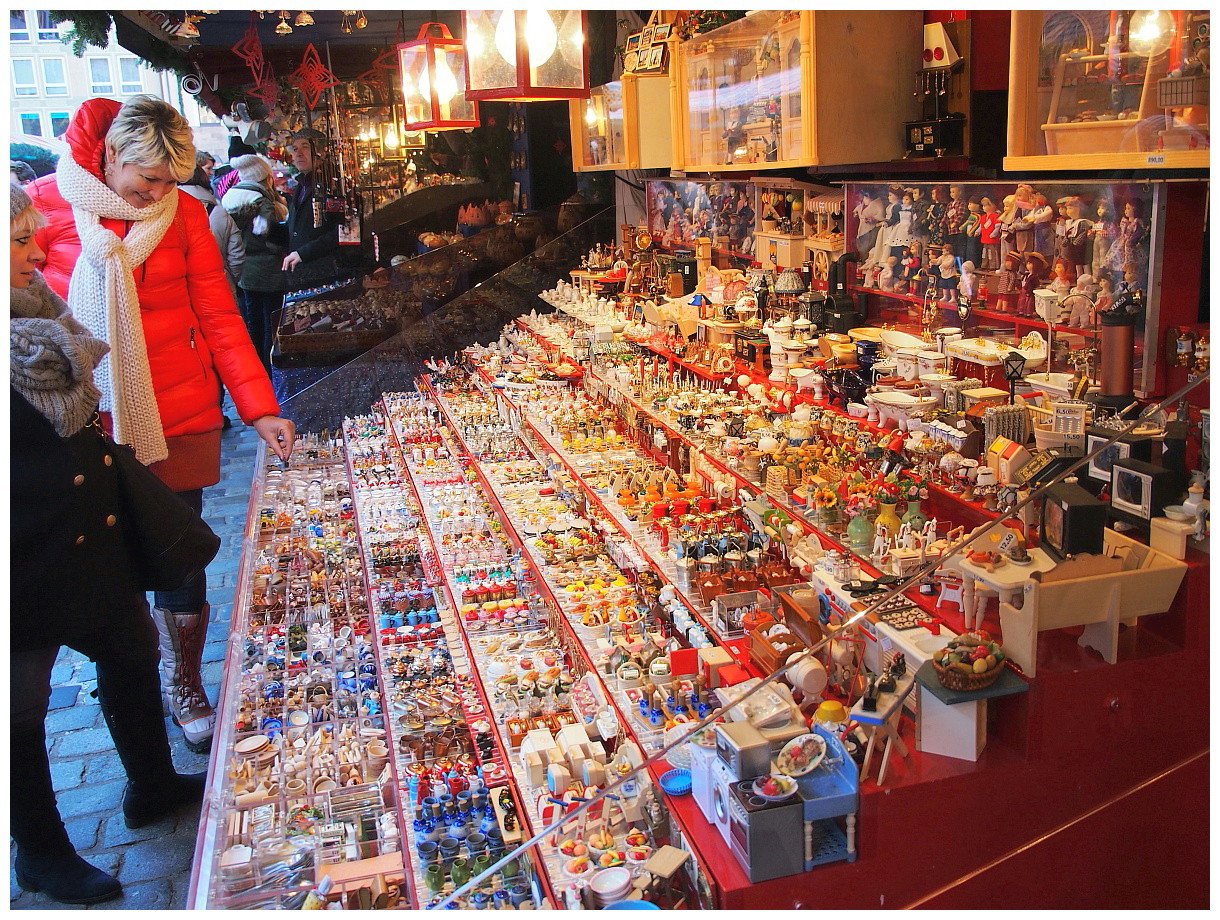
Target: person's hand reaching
{"x": 279, "y": 433}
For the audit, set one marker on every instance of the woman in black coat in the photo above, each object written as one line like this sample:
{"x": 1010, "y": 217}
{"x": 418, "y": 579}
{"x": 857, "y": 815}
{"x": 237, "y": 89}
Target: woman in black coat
{"x": 71, "y": 583}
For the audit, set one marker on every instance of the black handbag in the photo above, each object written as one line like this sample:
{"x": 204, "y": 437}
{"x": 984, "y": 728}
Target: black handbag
{"x": 169, "y": 543}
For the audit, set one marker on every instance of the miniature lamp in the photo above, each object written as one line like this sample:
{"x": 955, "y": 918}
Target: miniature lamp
{"x": 433, "y": 73}
{"x": 526, "y": 55}
{"x": 1014, "y": 370}
{"x": 788, "y": 286}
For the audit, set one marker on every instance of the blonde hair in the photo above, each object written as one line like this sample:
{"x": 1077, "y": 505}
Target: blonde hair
{"x": 150, "y": 132}
{"x": 28, "y": 220}
{"x": 251, "y": 168}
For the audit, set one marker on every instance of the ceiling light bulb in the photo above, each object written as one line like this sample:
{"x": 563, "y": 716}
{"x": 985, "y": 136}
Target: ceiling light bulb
{"x": 540, "y": 37}
{"x": 303, "y": 19}
{"x": 446, "y": 83}
{"x": 391, "y": 137}
{"x": 590, "y": 115}
{"x": 1151, "y": 32}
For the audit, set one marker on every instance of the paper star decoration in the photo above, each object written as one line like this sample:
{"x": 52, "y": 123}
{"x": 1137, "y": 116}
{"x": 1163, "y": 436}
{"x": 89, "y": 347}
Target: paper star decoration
{"x": 312, "y": 78}
{"x": 250, "y": 48}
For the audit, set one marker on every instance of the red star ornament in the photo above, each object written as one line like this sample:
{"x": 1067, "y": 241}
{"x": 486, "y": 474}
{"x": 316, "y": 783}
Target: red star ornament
{"x": 385, "y": 67}
{"x": 250, "y": 48}
{"x": 266, "y": 87}
{"x": 312, "y": 78}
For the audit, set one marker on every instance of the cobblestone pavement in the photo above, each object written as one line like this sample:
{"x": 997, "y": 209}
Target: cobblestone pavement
{"x": 154, "y": 862}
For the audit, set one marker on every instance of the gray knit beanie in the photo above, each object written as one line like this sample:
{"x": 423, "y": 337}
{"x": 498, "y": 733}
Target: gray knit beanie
{"x": 18, "y": 200}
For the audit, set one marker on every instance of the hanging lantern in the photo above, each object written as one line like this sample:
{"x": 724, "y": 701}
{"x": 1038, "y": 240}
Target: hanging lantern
{"x": 526, "y": 56}
{"x": 433, "y": 73}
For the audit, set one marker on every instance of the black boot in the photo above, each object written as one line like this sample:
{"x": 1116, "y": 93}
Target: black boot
{"x": 131, "y": 705}
{"x": 46, "y": 860}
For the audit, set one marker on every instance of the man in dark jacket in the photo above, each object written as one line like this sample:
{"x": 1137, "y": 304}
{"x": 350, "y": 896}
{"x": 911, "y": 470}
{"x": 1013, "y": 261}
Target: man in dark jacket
{"x": 311, "y": 258}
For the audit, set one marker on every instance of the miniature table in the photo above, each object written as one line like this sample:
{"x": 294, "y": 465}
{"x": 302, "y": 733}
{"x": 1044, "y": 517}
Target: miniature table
{"x": 1008, "y": 581}
{"x": 883, "y": 723}
{"x": 953, "y": 723}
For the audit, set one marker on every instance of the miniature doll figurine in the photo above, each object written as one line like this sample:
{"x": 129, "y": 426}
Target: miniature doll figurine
{"x": 1008, "y": 283}
{"x": 972, "y": 232}
{"x": 966, "y": 286}
{"x": 1023, "y": 206}
{"x": 1105, "y": 295}
{"x": 1103, "y": 233}
{"x": 1043, "y": 219}
{"x": 1035, "y": 273}
{"x": 920, "y": 203}
{"x": 1064, "y": 277}
{"x": 989, "y": 235}
{"x": 936, "y": 215}
{"x": 869, "y": 213}
{"x": 1073, "y": 235}
{"x": 901, "y": 220}
{"x": 1008, "y": 234}
{"x": 912, "y": 262}
{"x": 1080, "y": 315}
{"x": 947, "y": 266}
{"x": 956, "y": 212}
{"x": 1130, "y": 245}
{"x": 889, "y": 274}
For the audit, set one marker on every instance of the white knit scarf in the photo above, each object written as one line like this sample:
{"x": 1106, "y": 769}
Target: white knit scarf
{"x": 102, "y": 295}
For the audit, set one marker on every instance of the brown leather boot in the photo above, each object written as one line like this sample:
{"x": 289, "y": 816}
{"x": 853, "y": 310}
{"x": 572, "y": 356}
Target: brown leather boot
{"x": 182, "y": 638}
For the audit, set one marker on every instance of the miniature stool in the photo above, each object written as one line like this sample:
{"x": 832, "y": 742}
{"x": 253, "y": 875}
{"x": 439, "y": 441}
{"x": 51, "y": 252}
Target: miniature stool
{"x": 950, "y": 590}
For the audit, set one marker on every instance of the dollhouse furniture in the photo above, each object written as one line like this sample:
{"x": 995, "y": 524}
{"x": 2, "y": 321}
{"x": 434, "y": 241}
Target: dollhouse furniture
{"x": 883, "y": 725}
{"x": 953, "y": 723}
{"x": 1006, "y": 580}
{"x": 1127, "y": 581}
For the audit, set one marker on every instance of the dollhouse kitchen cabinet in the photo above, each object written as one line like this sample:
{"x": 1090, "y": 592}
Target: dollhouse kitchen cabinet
{"x": 785, "y": 88}
{"x": 1102, "y": 89}
{"x": 623, "y": 125}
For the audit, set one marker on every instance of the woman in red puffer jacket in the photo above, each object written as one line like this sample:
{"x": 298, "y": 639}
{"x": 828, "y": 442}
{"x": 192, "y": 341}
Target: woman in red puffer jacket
{"x": 124, "y": 160}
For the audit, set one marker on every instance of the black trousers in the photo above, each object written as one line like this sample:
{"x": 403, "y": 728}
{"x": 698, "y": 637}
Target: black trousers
{"x": 261, "y": 311}
{"x": 129, "y": 690}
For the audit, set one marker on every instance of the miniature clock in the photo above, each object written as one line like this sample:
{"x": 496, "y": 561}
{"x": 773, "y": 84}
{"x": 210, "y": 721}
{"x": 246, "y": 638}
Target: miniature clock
{"x": 643, "y": 240}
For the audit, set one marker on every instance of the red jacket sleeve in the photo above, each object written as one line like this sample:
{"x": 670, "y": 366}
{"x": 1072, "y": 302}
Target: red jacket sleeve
{"x": 221, "y": 324}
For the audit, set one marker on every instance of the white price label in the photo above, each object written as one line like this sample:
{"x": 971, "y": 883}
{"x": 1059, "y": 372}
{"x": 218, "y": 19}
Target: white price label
{"x": 1156, "y": 159}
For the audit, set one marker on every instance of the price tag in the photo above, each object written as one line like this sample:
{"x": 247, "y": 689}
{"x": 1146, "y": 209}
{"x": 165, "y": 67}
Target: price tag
{"x": 886, "y": 643}
{"x": 1008, "y": 542}
{"x": 1156, "y": 159}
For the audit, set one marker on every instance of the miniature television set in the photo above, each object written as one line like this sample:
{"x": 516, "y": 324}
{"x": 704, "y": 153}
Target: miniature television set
{"x": 1125, "y": 448}
{"x": 1140, "y": 491}
{"x": 1073, "y": 521}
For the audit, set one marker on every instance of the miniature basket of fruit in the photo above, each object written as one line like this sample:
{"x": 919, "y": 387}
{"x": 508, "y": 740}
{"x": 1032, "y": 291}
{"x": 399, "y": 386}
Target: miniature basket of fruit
{"x": 972, "y": 661}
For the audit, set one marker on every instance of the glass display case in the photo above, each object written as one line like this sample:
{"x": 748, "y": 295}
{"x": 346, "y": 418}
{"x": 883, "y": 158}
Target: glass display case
{"x": 775, "y": 87}
{"x": 597, "y": 129}
{"x": 1109, "y": 89}
{"x": 623, "y": 125}
{"x": 1044, "y": 257}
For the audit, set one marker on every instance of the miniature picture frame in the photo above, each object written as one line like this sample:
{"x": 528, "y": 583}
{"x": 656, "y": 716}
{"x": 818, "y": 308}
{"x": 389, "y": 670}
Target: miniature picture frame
{"x": 661, "y": 32}
{"x": 633, "y": 42}
{"x": 646, "y": 36}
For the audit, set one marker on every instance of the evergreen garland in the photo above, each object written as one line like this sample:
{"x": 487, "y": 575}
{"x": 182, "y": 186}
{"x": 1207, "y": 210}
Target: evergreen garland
{"x": 89, "y": 27}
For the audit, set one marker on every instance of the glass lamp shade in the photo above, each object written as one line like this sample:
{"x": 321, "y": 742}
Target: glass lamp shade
{"x": 526, "y": 56}
{"x": 433, "y": 73}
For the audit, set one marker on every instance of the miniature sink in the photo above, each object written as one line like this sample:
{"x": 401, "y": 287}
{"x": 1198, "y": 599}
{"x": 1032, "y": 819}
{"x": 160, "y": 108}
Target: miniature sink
{"x": 1054, "y": 384}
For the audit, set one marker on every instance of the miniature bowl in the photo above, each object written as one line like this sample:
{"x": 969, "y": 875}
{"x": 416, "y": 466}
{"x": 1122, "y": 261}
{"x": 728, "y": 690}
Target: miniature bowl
{"x": 1177, "y": 513}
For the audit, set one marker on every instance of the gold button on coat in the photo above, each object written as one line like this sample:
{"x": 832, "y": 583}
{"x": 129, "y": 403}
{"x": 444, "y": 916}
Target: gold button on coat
{"x": 80, "y": 539}
{"x": 107, "y": 459}
{"x": 79, "y": 480}
{"x": 111, "y": 520}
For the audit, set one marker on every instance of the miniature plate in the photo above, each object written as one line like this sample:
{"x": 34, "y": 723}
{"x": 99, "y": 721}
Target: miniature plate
{"x": 801, "y": 755}
{"x": 786, "y": 784}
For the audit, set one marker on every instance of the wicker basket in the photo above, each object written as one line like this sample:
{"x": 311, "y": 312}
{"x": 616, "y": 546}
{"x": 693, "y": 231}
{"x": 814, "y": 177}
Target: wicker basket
{"x": 963, "y": 683}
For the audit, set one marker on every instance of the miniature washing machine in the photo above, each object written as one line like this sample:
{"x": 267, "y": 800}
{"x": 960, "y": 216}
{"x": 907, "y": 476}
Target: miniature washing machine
{"x": 701, "y": 779}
